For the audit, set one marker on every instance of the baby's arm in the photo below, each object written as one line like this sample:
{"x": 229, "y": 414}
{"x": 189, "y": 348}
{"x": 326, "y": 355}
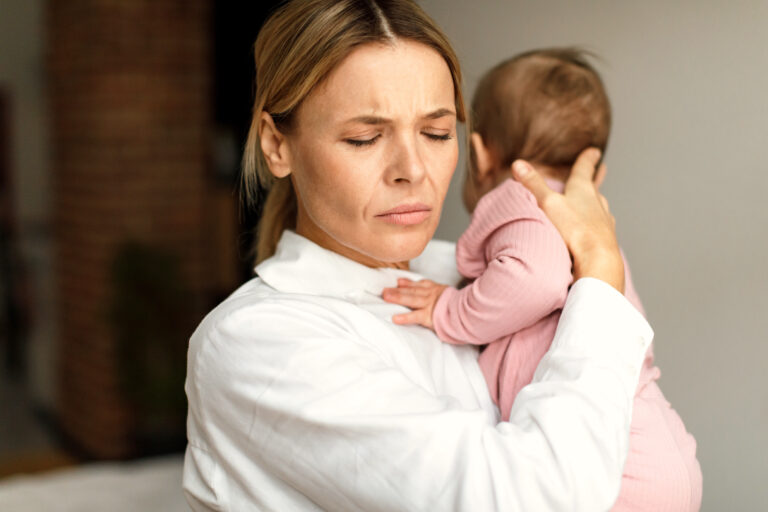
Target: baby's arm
{"x": 527, "y": 278}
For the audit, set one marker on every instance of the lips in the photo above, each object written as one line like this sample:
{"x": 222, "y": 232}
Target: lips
{"x": 406, "y": 214}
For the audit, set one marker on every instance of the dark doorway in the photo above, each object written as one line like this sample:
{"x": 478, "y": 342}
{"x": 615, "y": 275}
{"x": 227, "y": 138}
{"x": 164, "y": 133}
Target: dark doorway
{"x": 13, "y": 306}
{"x": 235, "y": 28}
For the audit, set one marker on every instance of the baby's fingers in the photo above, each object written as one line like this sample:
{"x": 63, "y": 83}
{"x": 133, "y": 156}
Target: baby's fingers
{"x": 418, "y": 317}
{"x": 413, "y": 298}
{"x": 424, "y": 284}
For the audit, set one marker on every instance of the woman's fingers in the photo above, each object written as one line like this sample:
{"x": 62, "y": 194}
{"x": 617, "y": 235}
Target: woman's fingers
{"x": 604, "y": 202}
{"x": 531, "y": 179}
{"x": 582, "y": 217}
{"x": 600, "y": 175}
{"x": 585, "y": 167}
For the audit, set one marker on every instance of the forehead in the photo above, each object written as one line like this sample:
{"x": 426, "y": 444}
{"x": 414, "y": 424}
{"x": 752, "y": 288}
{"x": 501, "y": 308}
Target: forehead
{"x": 395, "y": 80}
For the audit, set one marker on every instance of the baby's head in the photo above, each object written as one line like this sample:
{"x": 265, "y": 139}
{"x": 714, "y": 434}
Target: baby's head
{"x": 544, "y": 106}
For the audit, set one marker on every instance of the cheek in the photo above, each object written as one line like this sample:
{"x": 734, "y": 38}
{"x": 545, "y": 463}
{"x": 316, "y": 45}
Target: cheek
{"x": 444, "y": 166}
{"x": 333, "y": 187}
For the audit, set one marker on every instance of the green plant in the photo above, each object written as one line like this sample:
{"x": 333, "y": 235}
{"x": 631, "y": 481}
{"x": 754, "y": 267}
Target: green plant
{"x": 150, "y": 316}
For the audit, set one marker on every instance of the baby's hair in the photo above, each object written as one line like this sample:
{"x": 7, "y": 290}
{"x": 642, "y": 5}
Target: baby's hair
{"x": 544, "y": 106}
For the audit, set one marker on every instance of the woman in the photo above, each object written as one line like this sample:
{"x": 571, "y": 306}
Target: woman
{"x": 303, "y": 394}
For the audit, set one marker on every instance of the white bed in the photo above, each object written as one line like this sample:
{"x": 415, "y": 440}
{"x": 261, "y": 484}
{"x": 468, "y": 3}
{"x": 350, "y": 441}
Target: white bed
{"x": 150, "y": 485}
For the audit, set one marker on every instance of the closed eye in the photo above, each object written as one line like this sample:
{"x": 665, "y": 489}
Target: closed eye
{"x": 435, "y": 136}
{"x": 362, "y": 142}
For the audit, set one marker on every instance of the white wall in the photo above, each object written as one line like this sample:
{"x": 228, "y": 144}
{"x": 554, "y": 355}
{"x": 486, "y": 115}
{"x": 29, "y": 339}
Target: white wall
{"x": 687, "y": 180}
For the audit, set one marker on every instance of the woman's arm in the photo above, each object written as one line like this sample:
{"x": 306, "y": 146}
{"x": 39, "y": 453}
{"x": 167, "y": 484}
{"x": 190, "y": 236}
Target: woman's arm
{"x": 338, "y": 424}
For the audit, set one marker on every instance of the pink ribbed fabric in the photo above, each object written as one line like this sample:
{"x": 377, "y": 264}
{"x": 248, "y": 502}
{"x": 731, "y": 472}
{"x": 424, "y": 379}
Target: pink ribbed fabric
{"x": 521, "y": 271}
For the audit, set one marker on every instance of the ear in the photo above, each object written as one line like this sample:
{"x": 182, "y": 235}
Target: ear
{"x": 483, "y": 157}
{"x": 274, "y": 146}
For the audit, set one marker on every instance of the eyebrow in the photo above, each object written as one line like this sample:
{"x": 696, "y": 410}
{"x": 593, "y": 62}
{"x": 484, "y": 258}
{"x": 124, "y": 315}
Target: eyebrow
{"x": 376, "y": 120}
{"x": 441, "y": 112}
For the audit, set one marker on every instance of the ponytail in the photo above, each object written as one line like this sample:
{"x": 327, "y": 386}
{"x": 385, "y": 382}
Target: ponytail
{"x": 278, "y": 215}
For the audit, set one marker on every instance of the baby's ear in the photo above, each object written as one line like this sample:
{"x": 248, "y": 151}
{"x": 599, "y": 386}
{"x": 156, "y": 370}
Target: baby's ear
{"x": 484, "y": 161}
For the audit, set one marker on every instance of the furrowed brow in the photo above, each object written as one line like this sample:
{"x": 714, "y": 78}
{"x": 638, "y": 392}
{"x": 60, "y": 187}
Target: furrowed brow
{"x": 368, "y": 120}
{"x": 442, "y": 112}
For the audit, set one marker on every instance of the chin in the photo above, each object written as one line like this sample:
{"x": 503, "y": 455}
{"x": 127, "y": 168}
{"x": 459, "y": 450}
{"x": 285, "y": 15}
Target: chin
{"x": 400, "y": 247}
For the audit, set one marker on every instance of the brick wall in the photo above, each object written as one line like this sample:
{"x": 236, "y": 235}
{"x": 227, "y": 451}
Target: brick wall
{"x": 130, "y": 102}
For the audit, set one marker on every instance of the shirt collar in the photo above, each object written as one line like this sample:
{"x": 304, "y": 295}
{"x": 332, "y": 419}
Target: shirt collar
{"x": 301, "y": 266}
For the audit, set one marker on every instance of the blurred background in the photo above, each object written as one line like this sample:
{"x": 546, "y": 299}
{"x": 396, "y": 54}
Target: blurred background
{"x": 121, "y": 124}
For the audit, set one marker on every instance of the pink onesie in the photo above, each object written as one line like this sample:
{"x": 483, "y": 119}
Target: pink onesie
{"x": 521, "y": 271}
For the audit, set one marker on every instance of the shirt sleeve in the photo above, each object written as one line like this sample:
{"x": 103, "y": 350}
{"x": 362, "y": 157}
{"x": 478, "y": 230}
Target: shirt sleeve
{"x": 342, "y": 426}
{"x": 526, "y": 279}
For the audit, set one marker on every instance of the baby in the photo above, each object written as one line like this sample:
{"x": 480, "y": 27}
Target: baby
{"x": 543, "y": 106}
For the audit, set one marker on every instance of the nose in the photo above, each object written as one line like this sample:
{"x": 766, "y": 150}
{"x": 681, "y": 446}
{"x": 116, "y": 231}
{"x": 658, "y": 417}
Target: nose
{"x": 407, "y": 164}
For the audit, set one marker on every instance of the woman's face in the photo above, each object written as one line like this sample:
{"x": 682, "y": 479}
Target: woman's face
{"x": 372, "y": 153}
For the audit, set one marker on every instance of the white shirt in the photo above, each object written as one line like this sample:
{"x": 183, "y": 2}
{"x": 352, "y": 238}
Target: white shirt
{"x": 303, "y": 395}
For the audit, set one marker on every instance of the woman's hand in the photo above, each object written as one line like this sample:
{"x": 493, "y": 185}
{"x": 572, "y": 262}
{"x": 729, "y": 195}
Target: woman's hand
{"x": 420, "y": 296}
{"x": 582, "y": 217}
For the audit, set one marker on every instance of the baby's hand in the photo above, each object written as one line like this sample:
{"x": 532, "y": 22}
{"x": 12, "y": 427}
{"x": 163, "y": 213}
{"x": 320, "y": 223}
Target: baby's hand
{"x": 420, "y": 296}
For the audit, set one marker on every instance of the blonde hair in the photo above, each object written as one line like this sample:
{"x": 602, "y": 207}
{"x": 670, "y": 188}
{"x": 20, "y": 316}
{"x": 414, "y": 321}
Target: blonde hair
{"x": 544, "y": 106}
{"x": 297, "y": 47}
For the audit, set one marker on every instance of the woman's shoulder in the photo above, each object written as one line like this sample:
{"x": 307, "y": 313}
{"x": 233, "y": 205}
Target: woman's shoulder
{"x": 276, "y": 318}
{"x": 258, "y": 330}
{"x": 255, "y": 310}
